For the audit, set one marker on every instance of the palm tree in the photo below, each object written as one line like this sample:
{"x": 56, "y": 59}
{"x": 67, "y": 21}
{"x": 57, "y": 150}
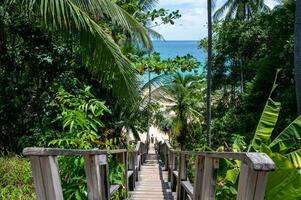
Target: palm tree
{"x": 298, "y": 54}
{"x": 208, "y": 98}
{"x": 82, "y": 19}
{"x": 241, "y": 9}
{"x": 180, "y": 95}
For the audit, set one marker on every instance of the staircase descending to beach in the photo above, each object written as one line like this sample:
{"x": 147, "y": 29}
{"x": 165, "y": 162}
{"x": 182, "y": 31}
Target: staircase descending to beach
{"x": 156, "y": 172}
{"x": 152, "y": 181}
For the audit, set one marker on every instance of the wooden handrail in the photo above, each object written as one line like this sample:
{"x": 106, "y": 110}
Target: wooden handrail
{"x": 45, "y": 170}
{"x": 253, "y": 172}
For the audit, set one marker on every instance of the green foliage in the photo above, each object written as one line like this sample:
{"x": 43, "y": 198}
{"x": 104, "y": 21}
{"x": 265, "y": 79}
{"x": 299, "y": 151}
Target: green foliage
{"x": 287, "y": 177}
{"x": 181, "y": 94}
{"x": 267, "y": 120}
{"x": 285, "y": 182}
{"x": 80, "y": 116}
{"x": 155, "y": 64}
{"x": 117, "y": 177}
{"x": 16, "y": 179}
{"x": 246, "y": 53}
{"x": 288, "y": 139}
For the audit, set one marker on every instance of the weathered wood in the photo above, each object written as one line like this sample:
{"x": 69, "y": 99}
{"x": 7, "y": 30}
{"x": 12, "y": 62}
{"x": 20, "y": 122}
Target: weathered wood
{"x": 46, "y": 177}
{"x": 209, "y": 178}
{"x": 114, "y": 189}
{"x": 251, "y": 184}
{"x": 122, "y": 158}
{"x": 199, "y": 174}
{"x": 187, "y": 186}
{"x": 256, "y": 161}
{"x": 35, "y": 151}
{"x": 181, "y": 194}
{"x": 116, "y": 151}
{"x": 131, "y": 167}
{"x": 166, "y": 158}
{"x": 152, "y": 183}
{"x": 38, "y": 177}
{"x": 97, "y": 182}
{"x": 173, "y": 181}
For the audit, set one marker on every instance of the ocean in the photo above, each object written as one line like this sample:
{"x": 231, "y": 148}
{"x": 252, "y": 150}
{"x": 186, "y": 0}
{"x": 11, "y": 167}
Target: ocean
{"x": 171, "y": 49}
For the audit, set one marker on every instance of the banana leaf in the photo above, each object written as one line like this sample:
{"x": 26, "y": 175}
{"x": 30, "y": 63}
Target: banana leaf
{"x": 288, "y": 138}
{"x": 295, "y": 158}
{"x": 285, "y": 182}
{"x": 267, "y": 121}
{"x": 266, "y": 124}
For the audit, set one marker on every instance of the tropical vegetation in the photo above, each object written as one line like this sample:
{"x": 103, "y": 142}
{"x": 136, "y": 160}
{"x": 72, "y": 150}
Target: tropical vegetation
{"x": 83, "y": 74}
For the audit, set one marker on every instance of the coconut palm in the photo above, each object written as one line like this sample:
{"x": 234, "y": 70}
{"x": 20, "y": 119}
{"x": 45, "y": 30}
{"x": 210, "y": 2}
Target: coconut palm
{"x": 82, "y": 20}
{"x": 298, "y": 54}
{"x": 241, "y": 9}
{"x": 180, "y": 95}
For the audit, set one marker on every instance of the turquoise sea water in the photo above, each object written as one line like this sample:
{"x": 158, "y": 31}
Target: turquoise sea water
{"x": 170, "y": 49}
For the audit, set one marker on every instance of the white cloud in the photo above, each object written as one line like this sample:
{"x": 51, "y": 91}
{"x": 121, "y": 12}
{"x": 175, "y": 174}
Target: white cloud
{"x": 193, "y": 23}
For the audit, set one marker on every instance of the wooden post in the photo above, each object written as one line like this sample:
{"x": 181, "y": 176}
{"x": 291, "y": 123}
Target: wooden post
{"x": 136, "y": 165}
{"x": 131, "y": 167}
{"x": 169, "y": 165}
{"x": 46, "y": 177}
{"x": 252, "y": 184}
{"x": 199, "y": 174}
{"x": 122, "y": 158}
{"x": 96, "y": 167}
{"x": 173, "y": 181}
{"x": 181, "y": 194}
{"x": 166, "y": 158}
{"x": 209, "y": 179}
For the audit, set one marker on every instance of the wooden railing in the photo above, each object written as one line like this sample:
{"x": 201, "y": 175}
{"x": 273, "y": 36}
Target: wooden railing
{"x": 45, "y": 170}
{"x": 252, "y": 179}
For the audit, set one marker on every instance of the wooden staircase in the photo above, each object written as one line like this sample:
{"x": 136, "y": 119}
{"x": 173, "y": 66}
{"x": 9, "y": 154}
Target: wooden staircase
{"x": 150, "y": 174}
{"x": 153, "y": 181}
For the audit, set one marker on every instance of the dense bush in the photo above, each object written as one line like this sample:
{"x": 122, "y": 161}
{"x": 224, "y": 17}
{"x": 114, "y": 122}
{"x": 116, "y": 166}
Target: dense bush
{"x": 16, "y": 179}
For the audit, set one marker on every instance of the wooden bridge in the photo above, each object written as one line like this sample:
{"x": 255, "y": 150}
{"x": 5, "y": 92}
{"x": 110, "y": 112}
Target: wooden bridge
{"x": 156, "y": 175}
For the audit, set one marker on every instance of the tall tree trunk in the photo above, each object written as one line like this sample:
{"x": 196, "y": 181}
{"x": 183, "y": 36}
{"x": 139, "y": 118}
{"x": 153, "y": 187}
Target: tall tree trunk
{"x": 298, "y": 55}
{"x": 148, "y": 110}
{"x": 241, "y": 76}
{"x": 209, "y": 10}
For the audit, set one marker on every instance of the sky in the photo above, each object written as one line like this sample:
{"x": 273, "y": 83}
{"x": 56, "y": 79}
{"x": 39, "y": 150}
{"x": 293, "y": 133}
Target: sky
{"x": 193, "y": 23}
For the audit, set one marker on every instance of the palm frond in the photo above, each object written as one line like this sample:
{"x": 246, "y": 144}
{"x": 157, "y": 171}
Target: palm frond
{"x": 107, "y": 63}
{"x": 154, "y": 34}
{"x": 219, "y": 12}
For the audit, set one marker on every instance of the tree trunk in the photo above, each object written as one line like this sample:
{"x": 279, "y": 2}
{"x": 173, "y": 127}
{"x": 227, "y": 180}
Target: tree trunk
{"x": 149, "y": 113}
{"x": 241, "y": 76}
{"x": 298, "y": 55}
{"x": 209, "y": 10}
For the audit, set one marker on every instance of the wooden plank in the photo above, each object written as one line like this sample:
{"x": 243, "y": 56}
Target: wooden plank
{"x": 97, "y": 186}
{"x": 209, "y": 178}
{"x": 35, "y": 151}
{"x": 51, "y": 177}
{"x": 199, "y": 174}
{"x": 262, "y": 178}
{"x": 174, "y": 174}
{"x": 37, "y": 177}
{"x": 256, "y": 161}
{"x": 187, "y": 187}
{"x": 114, "y": 189}
{"x": 182, "y": 177}
{"x": 116, "y": 151}
{"x": 131, "y": 168}
{"x": 252, "y": 184}
{"x": 130, "y": 173}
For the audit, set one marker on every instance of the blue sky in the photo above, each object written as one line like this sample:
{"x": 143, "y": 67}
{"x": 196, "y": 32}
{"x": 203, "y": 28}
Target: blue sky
{"x": 192, "y": 24}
